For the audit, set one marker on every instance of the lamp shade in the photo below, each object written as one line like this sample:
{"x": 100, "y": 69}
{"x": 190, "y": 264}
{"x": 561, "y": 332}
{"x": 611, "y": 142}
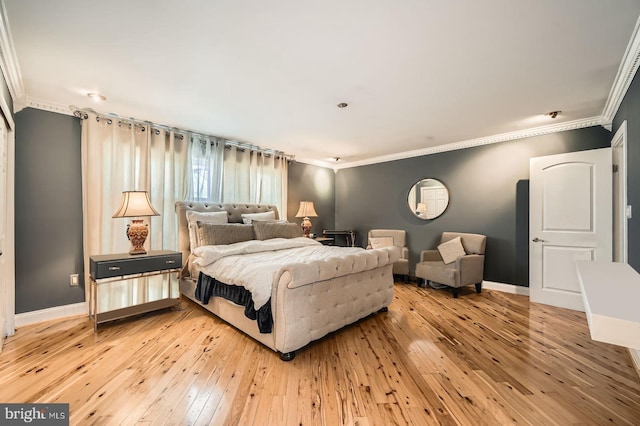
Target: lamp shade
{"x": 306, "y": 209}
{"x": 135, "y": 204}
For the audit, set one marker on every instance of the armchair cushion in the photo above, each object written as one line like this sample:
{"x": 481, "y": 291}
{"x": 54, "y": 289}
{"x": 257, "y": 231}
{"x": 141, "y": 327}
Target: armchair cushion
{"x": 380, "y": 242}
{"x": 472, "y": 243}
{"x": 391, "y": 237}
{"x": 438, "y": 272}
{"x": 430, "y": 256}
{"x": 451, "y": 250}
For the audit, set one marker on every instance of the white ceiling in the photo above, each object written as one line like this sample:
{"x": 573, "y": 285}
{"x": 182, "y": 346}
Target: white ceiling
{"x": 416, "y": 73}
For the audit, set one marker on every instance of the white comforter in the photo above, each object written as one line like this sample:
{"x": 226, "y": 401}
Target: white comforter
{"x": 255, "y": 264}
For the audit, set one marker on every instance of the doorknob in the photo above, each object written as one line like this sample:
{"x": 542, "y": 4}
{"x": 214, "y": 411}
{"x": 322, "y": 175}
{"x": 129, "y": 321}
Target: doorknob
{"x": 538, "y": 240}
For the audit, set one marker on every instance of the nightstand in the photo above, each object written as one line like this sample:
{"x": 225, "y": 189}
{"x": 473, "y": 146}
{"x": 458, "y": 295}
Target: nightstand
{"x": 110, "y": 268}
{"x": 349, "y": 236}
{"x": 324, "y": 241}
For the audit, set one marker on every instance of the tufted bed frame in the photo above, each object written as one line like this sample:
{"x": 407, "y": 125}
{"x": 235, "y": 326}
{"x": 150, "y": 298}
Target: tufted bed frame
{"x": 309, "y": 300}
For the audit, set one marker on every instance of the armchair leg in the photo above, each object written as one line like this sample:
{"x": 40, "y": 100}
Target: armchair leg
{"x": 478, "y": 287}
{"x": 406, "y": 279}
{"x": 455, "y": 292}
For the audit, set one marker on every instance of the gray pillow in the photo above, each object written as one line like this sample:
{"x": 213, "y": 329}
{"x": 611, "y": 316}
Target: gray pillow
{"x": 268, "y": 230}
{"x": 210, "y": 234}
{"x": 209, "y": 217}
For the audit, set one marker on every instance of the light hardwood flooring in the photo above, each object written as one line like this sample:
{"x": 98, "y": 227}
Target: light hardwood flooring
{"x": 482, "y": 359}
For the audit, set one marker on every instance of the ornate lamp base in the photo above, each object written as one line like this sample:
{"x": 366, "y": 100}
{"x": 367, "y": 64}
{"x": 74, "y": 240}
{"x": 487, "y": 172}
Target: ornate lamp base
{"x": 306, "y": 227}
{"x": 137, "y": 233}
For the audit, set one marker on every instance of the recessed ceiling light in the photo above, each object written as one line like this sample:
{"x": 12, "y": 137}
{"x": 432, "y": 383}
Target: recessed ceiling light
{"x": 342, "y": 105}
{"x": 96, "y": 97}
{"x": 553, "y": 114}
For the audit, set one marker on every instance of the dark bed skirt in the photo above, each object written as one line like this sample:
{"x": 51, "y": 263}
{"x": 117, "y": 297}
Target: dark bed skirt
{"x": 208, "y": 287}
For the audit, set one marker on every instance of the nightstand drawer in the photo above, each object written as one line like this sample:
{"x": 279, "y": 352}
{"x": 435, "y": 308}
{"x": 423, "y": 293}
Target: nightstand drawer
{"x": 108, "y": 266}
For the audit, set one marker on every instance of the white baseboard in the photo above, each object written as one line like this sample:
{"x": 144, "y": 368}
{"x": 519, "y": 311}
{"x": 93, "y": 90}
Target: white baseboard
{"x": 58, "y": 312}
{"x": 506, "y": 288}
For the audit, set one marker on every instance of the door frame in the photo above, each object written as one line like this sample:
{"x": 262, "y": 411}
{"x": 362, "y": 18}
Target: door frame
{"x": 620, "y": 232}
{"x": 9, "y": 246}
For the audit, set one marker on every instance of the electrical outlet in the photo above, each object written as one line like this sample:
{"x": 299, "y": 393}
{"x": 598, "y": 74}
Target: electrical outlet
{"x": 74, "y": 280}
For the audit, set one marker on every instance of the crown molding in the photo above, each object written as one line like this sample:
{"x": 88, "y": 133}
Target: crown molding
{"x": 318, "y": 163}
{"x": 626, "y": 72}
{"x": 8, "y": 58}
{"x": 502, "y": 137}
{"x": 47, "y": 106}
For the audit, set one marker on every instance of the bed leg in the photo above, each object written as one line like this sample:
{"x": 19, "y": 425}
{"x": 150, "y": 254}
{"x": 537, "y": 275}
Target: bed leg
{"x": 287, "y": 356}
{"x": 385, "y": 309}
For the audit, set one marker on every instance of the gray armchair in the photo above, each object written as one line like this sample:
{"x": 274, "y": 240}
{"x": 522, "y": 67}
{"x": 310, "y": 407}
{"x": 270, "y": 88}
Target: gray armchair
{"x": 464, "y": 265}
{"x": 397, "y": 237}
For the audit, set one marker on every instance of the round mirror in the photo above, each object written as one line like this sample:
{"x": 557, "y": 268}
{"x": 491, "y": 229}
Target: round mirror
{"x": 428, "y": 199}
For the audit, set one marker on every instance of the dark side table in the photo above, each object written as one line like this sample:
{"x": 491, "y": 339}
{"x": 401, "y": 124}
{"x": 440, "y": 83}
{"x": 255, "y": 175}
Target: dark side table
{"x": 124, "y": 266}
{"x": 324, "y": 241}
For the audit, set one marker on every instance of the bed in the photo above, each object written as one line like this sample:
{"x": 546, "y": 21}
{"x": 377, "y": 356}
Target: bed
{"x": 308, "y": 299}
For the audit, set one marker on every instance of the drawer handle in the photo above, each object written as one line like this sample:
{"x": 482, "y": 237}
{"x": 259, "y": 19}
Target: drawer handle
{"x": 114, "y": 268}
{"x": 171, "y": 261}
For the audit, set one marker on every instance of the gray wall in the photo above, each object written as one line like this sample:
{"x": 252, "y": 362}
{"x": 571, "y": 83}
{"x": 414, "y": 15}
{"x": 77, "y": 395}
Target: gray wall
{"x": 488, "y": 186}
{"x": 488, "y": 193}
{"x": 48, "y": 210}
{"x": 312, "y": 183}
{"x": 630, "y": 111}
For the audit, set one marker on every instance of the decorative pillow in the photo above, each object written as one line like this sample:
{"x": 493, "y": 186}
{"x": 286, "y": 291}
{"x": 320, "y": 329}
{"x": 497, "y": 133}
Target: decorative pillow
{"x": 451, "y": 250}
{"x": 268, "y": 216}
{"x": 268, "y": 230}
{"x": 380, "y": 242}
{"x": 205, "y": 217}
{"x": 211, "y": 234}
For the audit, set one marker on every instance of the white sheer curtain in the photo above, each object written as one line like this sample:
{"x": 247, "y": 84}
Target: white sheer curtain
{"x": 240, "y": 176}
{"x": 119, "y": 156}
{"x": 252, "y": 176}
{"x": 206, "y": 168}
{"x": 273, "y": 185}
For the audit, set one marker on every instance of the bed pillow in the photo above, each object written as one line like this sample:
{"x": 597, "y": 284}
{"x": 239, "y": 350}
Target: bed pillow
{"x": 451, "y": 250}
{"x": 206, "y": 217}
{"x": 248, "y": 217}
{"x": 268, "y": 230}
{"x": 212, "y": 234}
{"x": 380, "y": 242}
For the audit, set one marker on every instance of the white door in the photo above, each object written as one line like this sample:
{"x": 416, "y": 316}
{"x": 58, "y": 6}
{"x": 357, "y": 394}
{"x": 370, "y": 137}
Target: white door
{"x": 435, "y": 199}
{"x": 570, "y": 220}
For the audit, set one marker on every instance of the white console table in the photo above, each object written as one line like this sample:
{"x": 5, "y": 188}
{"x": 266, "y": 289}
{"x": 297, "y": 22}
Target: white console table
{"x": 611, "y": 295}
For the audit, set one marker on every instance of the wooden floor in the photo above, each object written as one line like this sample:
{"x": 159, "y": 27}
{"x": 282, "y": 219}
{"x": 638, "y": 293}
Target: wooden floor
{"x": 492, "y": 358}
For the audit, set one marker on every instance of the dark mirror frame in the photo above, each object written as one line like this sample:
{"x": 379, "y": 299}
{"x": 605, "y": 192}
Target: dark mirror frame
{"x": 428, "y": 198}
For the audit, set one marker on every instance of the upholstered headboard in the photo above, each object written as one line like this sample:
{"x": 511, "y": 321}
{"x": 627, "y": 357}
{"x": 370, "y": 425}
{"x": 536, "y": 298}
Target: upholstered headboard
{"x": 234, "y": 211}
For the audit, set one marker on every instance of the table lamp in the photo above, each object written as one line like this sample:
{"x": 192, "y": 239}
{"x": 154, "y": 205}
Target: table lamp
{"x": 136, "y": 204}
{"x": 306, "y": 210}
{"x": 422, "y": 209}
